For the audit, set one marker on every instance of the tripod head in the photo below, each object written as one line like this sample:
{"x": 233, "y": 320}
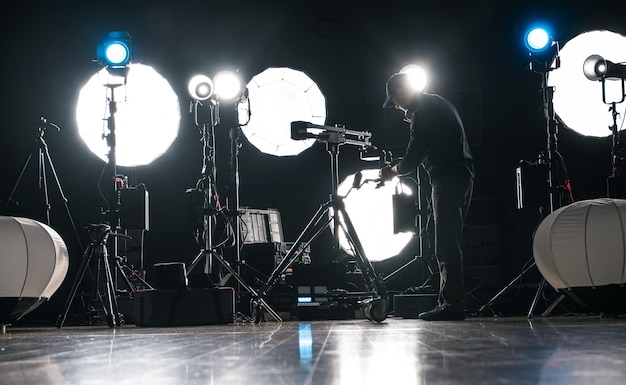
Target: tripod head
{"x": 99, "y": 233}
{"x": 44, "y": 125}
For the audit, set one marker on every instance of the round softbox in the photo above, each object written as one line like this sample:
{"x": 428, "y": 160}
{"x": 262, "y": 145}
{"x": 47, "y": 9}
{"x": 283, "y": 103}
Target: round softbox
{"x": 279, "y": 96}
{"x": 33, "y": 264}
{"x": 582, "y": 248}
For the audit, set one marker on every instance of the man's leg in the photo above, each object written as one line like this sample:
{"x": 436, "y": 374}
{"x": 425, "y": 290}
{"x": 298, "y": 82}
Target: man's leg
{"x": 451, "y": 197}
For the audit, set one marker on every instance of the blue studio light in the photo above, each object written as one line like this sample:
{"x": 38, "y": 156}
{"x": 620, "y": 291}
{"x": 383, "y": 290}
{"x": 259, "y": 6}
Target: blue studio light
{"x": 115, "y": 51}
{"x": 537, "y": 39}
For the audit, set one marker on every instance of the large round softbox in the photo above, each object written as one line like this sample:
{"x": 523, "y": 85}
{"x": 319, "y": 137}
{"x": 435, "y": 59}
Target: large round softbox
{"x": 581, "y": 249}
{"x": 33, "y": 264}
{"x": 279, "y": 96}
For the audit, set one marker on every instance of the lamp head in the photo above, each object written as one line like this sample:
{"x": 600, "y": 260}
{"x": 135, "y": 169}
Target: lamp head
{"x": 115, "y": 50}
{"x": 596, "y": 67}
{"x": 200, "y": 87}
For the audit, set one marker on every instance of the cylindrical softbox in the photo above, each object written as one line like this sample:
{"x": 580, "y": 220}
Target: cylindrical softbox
{"x": 33, "y": 264}
{"x": 581, "y": 249}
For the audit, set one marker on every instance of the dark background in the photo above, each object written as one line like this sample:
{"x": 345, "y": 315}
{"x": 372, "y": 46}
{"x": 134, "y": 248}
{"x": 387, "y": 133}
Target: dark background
{"x": 475, "y": 54}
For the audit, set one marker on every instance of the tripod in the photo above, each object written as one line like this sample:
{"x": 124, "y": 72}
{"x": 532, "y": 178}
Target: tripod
{"x": 43, "y": 155}
{"x": 375, "y": 299}
{"x": 98, "y": 235}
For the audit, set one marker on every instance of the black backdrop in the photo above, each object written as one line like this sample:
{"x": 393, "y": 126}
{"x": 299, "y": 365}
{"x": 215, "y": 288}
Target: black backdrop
{"x": 473, "y": 49}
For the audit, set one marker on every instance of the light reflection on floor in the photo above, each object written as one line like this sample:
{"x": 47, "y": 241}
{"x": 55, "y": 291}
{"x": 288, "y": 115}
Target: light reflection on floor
{"x": 559, "y": 350}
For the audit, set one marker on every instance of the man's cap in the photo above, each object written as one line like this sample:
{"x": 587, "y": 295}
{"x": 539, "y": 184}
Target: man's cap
{"x": 395, "y": 81}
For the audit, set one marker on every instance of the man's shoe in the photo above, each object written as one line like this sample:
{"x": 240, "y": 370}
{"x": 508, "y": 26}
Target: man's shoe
{"x": 443, "y": 313}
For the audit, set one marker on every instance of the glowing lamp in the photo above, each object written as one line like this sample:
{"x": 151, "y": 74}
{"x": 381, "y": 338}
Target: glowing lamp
{"x": 537, "y": 39}
{"x": 583, "y": 245}
{"x": 147, "y": 117}
{"x": 33, "y": 264}
{"x": 228, "y": 85}
{"x": 200, "y": 87}
{"x": 370, "y": 208}
{"x": 115, "y": 50}
{"x": 596, "y": 67}
{"x": 115, "y": 53}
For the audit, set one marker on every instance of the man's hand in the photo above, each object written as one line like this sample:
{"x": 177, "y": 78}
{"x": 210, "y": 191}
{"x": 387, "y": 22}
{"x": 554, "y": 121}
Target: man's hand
{"x": 388, "y": 172}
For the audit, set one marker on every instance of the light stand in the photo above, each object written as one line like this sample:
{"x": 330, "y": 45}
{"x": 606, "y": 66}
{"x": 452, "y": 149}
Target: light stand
{"x": 615, "y": 187}
{"x": 375, "y": 302}
{"x": 209, "y": 210}
{"x": 99, "y": 235}
{"x": 206, "y": 184}
{"x": 43, "y": 155}
{"x": 114, "y": 199}
{"x": 235, "y": 145}
{"x": 548, "y": 159}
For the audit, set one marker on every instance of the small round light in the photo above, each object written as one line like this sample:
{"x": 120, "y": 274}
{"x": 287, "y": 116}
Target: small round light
{"x": 228, "y": 85}
{"x": 115, "y": 50}
{"x": 117, "y": 54}
{"x": 200, "y": 87}
{"x": 537, "y": 39}
{"x": 594, "y": 67}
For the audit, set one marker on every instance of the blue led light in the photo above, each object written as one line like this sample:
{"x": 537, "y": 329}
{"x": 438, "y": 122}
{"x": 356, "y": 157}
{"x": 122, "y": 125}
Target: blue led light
{"x": 116, "y": 50}
{"x": 537, "y": 39}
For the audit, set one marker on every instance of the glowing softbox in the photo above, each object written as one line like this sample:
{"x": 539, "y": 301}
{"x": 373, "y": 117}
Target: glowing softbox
{"x": 33, "y": 264}
{"x": 578, "y": 101}
{"x": 147, "y": 115}
{"x": 277, "y": 97}
{"x": 370, "y": 208}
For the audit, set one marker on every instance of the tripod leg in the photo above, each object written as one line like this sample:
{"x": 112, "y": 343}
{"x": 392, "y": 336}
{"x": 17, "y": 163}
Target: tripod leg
{"x": 531, "y": 310}
{"x": 260, "y": 301}
{"x": 375, "y": 308}
{"x": 133, "y": 287}
{"x": 113, "y": 316}
{"x": 506, "y": 288}
{"x": 372, "y": 282}
{"x": 292, "y": 254}
{"x": 195, "y": 261}
{"x": 77, "y": 280}
{"x": 17, "y": 182}
{"x": 63, "y": 197}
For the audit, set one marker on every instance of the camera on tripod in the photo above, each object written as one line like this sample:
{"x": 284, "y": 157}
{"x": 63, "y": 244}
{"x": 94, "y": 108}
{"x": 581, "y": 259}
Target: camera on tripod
{"x": 98, "y": 232}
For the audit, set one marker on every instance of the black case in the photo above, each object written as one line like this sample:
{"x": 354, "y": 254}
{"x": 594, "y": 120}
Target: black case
{"x": 184, "y": 307}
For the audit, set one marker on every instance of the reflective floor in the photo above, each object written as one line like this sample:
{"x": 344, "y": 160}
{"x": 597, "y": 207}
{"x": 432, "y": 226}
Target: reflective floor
{"x": 544, "y": 350}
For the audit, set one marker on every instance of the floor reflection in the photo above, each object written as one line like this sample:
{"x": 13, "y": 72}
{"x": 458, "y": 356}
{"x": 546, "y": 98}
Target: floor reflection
{"x": 397, "y": 351}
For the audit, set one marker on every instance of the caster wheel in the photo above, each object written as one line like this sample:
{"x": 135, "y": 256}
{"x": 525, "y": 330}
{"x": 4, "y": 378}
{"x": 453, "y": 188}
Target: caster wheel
{"x": 375, "y": 311}
{"x": 257, "y": 312}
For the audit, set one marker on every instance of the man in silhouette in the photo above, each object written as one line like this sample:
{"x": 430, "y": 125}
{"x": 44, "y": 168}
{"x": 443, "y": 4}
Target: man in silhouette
{"x": 437, "y": 141}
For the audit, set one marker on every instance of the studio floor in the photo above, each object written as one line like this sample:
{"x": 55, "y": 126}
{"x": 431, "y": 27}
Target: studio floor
{"x": 506, "y": 350}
